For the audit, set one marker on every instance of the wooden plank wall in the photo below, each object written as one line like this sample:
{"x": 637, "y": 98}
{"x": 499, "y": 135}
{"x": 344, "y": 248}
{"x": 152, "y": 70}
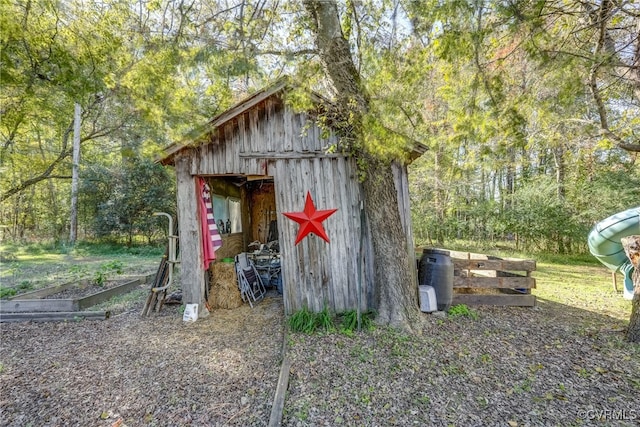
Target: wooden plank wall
{"x": 262, "y": 210}
{"x": 191, "y": 267}
{"x": 316, "y": 273}
{"x": 272, "y": 140}
{"x": 247, "y": 143}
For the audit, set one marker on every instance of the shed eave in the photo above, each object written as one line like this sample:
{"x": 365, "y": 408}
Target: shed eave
{"x": 174, "y": 148}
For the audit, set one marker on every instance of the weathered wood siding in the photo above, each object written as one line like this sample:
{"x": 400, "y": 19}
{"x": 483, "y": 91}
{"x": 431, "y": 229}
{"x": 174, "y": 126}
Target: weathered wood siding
{"x": 269, "y": 139}
{"x": 316, "y": 273}
{"x": 401, "y": 179}
{"x": 191, "y": 267}
{"x": 248, "y": 142}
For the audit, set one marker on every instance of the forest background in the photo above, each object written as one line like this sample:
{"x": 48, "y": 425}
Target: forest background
{"x": 530, "y": 109}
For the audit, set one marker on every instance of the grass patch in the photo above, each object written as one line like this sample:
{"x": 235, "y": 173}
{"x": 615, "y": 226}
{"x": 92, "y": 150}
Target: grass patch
{"x": 96, "y": 249}
{"x": 461, "y": 310}
{"x": 47, "y": 264}
{"x": 81, "y": 249}
{"x": 587, "y": 287}
{"x": 308, "y": 322}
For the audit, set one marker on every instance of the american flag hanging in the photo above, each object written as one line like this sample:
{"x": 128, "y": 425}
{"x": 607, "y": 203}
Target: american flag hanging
{"x": 211, "y": 240}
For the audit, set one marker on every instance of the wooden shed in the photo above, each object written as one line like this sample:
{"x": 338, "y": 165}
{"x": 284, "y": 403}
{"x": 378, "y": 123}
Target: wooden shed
{"x": 260, "y": 158}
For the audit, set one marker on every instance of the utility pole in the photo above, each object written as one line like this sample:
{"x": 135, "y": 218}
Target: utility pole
{"x": 73, "y": 232}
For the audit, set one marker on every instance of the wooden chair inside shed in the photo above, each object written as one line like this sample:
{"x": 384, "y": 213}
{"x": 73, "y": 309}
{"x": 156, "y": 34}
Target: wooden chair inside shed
{"x": 249, "y": 281}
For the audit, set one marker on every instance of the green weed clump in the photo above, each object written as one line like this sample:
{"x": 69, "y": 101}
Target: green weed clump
{"x": 24, "y": 286}
{"x": 324, "y": 320}
{"x": 349, "y": 321}
{"x": 308, "y": 322}
{"x": 7, "y": 292}
{"x": 461, "y": 310}
{"x": 107, "y": 268}
{"x": 303, "y": 321}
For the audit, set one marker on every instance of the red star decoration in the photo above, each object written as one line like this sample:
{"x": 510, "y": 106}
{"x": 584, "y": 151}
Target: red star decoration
{"x": 310, "y": 220}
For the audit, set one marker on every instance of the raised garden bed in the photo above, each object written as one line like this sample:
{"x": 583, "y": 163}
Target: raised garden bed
{"x": 54, "y": 316}
{"x": 51, "y": 290}
{"x": 80, "y": 296}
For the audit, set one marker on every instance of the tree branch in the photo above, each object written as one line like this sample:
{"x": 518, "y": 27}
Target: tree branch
{"x": 288, "y": 53}
{"x": 600, "y": 57}
{"x": 64, "y": 153}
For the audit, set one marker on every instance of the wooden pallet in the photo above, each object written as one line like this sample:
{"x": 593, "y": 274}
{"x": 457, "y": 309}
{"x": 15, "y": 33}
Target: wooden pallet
{"x": 489, "y": 280}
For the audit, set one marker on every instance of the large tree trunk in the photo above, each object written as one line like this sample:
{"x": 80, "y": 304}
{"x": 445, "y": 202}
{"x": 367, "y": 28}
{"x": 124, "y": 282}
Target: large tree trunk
{"x": 395, "y": 278}
{"x": 394, "y": 268}
{"x": 631, "y": 246}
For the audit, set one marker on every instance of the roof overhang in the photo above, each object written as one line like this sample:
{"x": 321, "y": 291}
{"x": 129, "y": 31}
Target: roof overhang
{"x": 282, "y": 85}
{"x": 171, "y": 150}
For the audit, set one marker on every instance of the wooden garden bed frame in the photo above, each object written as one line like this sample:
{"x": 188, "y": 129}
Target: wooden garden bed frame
{"x": 510, "y": 276}
{"x": 33, "y": 306}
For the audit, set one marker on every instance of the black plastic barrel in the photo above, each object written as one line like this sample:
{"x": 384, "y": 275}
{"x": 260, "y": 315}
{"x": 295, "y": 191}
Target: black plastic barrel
{"x": 436, "y": 269}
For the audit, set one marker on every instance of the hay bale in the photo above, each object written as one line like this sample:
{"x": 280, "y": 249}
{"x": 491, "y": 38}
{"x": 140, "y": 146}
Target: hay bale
{"x": 224, "y": 292}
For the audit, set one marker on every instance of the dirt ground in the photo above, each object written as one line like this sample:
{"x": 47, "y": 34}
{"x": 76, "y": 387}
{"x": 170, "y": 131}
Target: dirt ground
{"x": 155, "y": 371}
{"x": 551, "y": 365}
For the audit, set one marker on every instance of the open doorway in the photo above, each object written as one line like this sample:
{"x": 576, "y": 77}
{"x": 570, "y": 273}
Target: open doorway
{"x": 246, "y": 215}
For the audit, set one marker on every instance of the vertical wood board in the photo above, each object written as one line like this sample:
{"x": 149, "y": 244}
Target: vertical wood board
{"x": 191, "y": 269}
{"x": 317, "y": 273}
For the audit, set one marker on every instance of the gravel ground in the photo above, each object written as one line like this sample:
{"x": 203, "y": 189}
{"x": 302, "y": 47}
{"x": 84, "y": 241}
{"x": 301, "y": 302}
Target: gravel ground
{"x": 552, "y": 365}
